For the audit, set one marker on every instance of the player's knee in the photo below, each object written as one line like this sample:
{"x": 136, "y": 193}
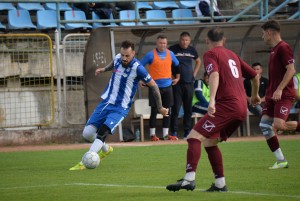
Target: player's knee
{"x": 102, "y": 132}
{"x": 266, "y": 128}
{"x": 195, "y": 135}
{"x": 89, "y": 133}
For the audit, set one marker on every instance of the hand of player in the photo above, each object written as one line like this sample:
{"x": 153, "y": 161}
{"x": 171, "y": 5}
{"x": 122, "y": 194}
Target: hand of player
{"x": 99, "y": 70}
{"x": 255, "y": 100}
{"x": 164, "y": 111}
{"x": 211, "y": 110}
{"x": 277, "y": 95}
{"x": 142, "y": 84}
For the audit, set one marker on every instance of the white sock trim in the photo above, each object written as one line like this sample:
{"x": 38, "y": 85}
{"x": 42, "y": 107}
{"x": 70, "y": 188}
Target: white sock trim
{"x": 190, "y": 176}
{"x": 279, "y": 155}
{"x": 220, "y": 182}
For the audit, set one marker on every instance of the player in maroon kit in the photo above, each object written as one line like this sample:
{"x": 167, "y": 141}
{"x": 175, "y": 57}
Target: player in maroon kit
{"x": 226, "y": 111}
{"x": 280, "y": 93}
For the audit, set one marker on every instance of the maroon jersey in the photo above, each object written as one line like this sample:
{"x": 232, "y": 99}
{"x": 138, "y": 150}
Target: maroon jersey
{"x": 230, "y": 96}
{"x": 281, "y": 55}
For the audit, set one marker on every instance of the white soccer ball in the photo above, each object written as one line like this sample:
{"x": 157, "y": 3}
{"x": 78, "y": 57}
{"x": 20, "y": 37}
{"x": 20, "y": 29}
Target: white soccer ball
{"x": 91, "y": 160}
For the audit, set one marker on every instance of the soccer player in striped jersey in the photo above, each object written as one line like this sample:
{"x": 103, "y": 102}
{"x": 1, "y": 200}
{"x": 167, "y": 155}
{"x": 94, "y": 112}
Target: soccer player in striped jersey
{"x": 117, "y": 99}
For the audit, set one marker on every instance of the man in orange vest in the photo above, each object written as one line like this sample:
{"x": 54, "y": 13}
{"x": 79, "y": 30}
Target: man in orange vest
{"x": 160, "y": 61}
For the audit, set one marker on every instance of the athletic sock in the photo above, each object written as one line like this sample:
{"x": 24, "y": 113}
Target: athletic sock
{"x": 152, "y": 131}
{"x": 105, "y": 147}
{"x": 216, "y": 161}
{"x": 220, "y": 182}
{"x": 279, "y": 155}
{"x": 96, "y": 146}
{"x": 190, "y": 176}
{"x": 273, "y": 143}
{"x": 165, "y": 132}
{"x": 274, "y": 146}
{"x": 193, "y": 154}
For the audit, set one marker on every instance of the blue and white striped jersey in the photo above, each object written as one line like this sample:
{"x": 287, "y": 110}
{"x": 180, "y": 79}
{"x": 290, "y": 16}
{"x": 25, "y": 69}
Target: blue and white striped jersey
{"x": 123, "y": 83}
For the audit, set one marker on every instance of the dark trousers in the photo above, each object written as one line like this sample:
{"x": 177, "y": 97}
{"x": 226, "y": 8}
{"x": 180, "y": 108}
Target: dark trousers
{"x": 183, "y": 95}
{"x": 167, "y": 101}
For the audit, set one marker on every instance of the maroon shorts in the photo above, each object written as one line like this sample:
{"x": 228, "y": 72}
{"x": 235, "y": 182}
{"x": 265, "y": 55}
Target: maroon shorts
{"x": 221, "y": 126}
{"x": 278, "y": 109}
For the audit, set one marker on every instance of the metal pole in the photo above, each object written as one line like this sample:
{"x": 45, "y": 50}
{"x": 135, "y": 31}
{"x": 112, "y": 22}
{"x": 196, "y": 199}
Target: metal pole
{"x": 58, "y": 78}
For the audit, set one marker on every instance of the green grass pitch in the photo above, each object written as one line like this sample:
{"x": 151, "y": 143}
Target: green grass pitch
{"x": 141, "y": 173}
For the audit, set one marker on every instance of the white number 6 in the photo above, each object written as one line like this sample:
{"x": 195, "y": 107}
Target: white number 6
{"x": 233, "y": 68}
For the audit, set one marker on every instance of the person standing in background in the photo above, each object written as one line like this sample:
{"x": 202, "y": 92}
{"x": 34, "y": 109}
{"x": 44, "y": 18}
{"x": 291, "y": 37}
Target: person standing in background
{"x": 263, "y": 83}
{"x": 160, "y": 61}
{"x": 183, "y": 91}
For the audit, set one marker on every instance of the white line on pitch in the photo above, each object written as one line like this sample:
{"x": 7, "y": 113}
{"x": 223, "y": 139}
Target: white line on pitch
{"x": 142, "y": 186}
{"x": 162, "y": 187}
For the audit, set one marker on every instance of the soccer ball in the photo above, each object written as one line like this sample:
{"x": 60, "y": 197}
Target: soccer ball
{"x": 91, "y": 160}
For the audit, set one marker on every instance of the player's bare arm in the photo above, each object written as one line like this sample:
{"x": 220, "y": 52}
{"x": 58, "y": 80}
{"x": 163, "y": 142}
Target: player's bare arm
{"x": 255, "y": 99}
{"x": 213, "y": 87}
{"x": 290, "y": 72}
{"x": 157, "y": 97}
{"x": 108, "y": 67}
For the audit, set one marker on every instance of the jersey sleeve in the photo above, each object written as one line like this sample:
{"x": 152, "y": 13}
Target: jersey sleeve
{"x": 147, "y": 59}
{"x": 247, "y": 71}
{"x": 286, "y": 55}
{"x": 210, "y": 64}
{"x": 175, "y": 61}
{"x": 142, "y": 74}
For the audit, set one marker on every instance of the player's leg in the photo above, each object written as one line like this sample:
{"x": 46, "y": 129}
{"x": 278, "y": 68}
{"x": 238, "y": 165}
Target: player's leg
{"x": 280, "y": 112}
{"x": 114, "y": 117}
{"x": 215, "y": 156}
{"x": 216, "y": 161}
{"x": 272, "y": 141}
{"x": 293, "y": 125}
{"x": 90, "y": 130}
{"x": 193, "y": 155}
{"x": 204, "y": 129}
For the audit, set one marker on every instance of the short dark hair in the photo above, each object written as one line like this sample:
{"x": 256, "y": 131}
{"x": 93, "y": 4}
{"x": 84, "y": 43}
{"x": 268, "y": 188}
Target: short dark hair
{"x": 215, "y": 34}
{"x": 127, "y": 44}
{"x": 185, "y": 33}
{"x": 161, "y": 37}
{"x": 256, "y": 64}
{"x": 271, "y": 24}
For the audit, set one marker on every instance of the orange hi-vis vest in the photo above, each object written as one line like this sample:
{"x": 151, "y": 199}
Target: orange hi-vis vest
{"x": 161, "y": 68}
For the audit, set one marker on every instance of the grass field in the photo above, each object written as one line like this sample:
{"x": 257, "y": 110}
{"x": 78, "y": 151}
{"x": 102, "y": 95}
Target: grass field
{"x": 141, "y": 173}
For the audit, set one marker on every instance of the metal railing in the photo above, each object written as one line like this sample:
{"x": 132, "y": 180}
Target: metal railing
{"x": 262, "y": 15}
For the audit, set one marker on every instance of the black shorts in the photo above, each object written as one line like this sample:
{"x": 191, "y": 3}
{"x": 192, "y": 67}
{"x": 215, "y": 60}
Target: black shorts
{"x": 166, "y": 97}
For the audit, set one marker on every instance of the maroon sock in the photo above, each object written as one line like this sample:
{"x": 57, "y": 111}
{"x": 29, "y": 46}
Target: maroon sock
{"x": 216, "y": 161}
{"x": 273, "y": 143}
{"x": 193, "y": 154}
{"x": 298, "y": 126}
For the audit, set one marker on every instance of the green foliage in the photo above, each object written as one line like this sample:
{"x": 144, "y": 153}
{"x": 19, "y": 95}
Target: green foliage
{"x": 141, "y": 173}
